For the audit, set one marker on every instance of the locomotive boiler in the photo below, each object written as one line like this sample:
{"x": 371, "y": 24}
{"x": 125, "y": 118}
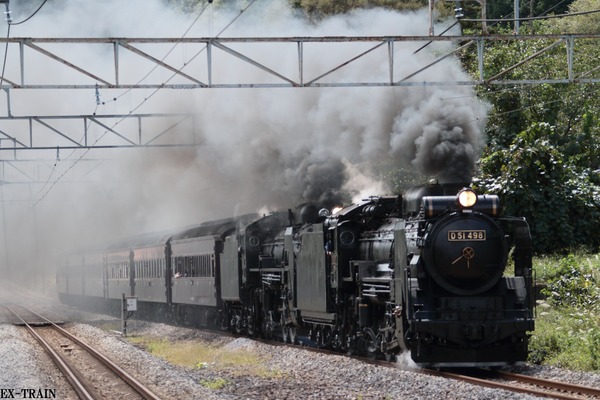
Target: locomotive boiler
{"x": 425, "y": 272}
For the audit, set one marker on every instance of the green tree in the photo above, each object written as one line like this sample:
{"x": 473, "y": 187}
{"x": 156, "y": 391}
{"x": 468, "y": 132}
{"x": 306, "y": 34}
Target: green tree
{"x": 330, "y": 7}
{"x": 584, "y": 23}
{"x": 543, "y": 153}
{"x": 537, "y": 180}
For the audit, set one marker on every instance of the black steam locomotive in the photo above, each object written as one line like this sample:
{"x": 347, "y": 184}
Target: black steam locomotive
{"x": 424, "y": 272}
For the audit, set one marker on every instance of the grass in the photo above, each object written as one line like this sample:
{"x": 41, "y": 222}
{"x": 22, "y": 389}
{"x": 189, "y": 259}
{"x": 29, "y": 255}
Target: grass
{"x": 567, "y": 338}
{"x": 567, "y": 332}
{"x": 215, "y": 384}
{"x": 199, "y": 355}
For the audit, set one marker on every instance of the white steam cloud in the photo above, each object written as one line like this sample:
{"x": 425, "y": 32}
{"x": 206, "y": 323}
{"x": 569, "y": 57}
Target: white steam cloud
{"x": 258, "y": 147}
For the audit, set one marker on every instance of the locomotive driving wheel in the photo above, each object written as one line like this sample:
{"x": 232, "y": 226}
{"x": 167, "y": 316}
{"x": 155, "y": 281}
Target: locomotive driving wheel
{"x": 236, "y": 323}
{"x": 326, "y": 336}
{"x": 250, "y": 324}
{"x": 288, "y": 334}
{"x": 370, "y": 340}
{"x": 288, "y": 331}
{"x": 292, "y": 334}
{"x": 268, "y": 325}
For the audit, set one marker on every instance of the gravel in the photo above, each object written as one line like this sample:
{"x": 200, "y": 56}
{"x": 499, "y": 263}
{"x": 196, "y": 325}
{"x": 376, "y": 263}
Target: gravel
{"x": 25, "y": 366}
{"x": 286, "y": 373}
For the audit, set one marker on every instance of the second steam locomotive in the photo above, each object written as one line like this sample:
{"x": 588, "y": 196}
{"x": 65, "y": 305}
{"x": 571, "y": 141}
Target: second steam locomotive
{"x": 424, "y": 272}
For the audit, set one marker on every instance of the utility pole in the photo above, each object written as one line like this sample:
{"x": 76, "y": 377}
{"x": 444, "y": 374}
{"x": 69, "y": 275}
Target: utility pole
{"x": 516, "y": 17}
{"x": 431, "y": 5}
{"x": 484, "y": 28}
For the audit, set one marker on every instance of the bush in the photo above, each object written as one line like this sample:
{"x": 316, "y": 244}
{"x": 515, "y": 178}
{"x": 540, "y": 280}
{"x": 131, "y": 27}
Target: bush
{"x": 566, "y": 333}
{"x": 572, "y": 285}
{"x": 536, "y": 180}
{"x": 567, "y": 339}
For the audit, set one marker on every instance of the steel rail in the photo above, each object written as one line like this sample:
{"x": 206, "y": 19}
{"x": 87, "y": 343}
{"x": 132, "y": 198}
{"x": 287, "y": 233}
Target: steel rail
{"x": 68, "y": 373}
{"x": 121, "y": 373}
{"x": 134, "y": 383}
{"x": 560, "y": 390}
{"x": 568, "y": 387}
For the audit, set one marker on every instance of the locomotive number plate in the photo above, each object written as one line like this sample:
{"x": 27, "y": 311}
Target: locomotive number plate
{"x": 466, "y": 235}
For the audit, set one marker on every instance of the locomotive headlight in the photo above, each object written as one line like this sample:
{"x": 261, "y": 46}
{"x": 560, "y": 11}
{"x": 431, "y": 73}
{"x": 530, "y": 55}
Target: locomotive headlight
{"x": 467, "y": 198}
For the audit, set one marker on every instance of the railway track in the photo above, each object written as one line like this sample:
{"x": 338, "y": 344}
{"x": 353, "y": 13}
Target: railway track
{"x": 90, "y": 374}
{"x": 492, "y": 379}
{"x": 523, "y": 384}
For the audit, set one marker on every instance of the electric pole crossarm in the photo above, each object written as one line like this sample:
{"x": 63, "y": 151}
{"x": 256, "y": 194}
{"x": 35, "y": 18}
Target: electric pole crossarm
{"x": 469, "y": 43}
{"x": 215, "y": 43}
{"x": 267, "y": 54}
{"x": 537, "y": 54}
{"x": 161, "y": 63}
{"x": 67, "y": 63}
{"x": 13, "y": 140}
{"x": 23, "y": 134}
{"x": 55, "y": 130}
{"x": 361, "y": 55}
{"x": 111, "y": 130}
{"x": 170, "y": 129}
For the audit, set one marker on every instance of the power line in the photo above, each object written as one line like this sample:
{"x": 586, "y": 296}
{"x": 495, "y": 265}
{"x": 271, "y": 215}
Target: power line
{"x": 151, "y": 95}
{"x": 28, "y": 18}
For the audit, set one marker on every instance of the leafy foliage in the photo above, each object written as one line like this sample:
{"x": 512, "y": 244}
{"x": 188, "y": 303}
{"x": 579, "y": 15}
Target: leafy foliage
{"x": 572, "y": 285}
{"x": 566, "y": 338}
{"x": 567, "y": 321}
{"x": 543, "y": 153}
{"x": 539, "y": 181}
{"x": 215, "y": 383}
{"x": 585, "y": 23}
{"x": 328, "y": 7}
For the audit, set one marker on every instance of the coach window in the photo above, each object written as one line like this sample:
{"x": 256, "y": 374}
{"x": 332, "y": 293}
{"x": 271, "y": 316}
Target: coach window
{"x": 178, "y": 270}
{"x": 193, "y": 266}
{"x": 201, "y": 265}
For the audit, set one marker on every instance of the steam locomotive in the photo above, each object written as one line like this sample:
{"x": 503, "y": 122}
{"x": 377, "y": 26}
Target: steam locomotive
{"x": 424, "y": 272}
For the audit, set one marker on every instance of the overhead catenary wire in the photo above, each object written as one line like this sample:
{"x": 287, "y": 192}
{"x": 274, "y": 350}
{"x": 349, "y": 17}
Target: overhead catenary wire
{"x": 98, "y": 103}
{"x": 97, "y": 96}
{"x": 164, "y": 57}
{"x": 168, "y": 80}
{"x": 31, "y": 16}
{"x": 242, "y": 11}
